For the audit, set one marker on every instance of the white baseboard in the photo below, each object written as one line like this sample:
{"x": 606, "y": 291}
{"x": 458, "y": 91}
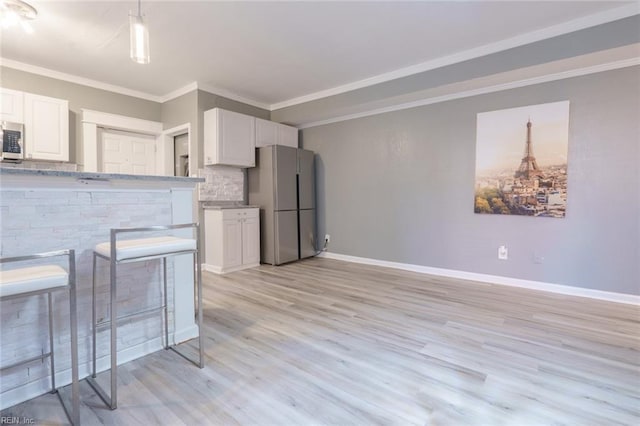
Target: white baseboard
{"x": 211, "y": 268}
{"x": 221, "y": 271}
{"x": 63, "y": 378}
{"x": 492, "y": 279}
{"x": 185, "y": 334}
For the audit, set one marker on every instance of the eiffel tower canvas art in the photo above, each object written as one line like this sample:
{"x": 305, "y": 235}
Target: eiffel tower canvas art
{"x": 510, "y": 177}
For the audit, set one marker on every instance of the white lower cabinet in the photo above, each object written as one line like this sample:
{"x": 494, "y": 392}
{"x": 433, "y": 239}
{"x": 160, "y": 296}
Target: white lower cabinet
{"x": 232, "y": 239}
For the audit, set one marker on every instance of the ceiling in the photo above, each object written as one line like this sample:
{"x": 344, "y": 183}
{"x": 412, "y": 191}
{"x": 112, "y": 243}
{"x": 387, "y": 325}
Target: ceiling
{"x": 272, "y": 53}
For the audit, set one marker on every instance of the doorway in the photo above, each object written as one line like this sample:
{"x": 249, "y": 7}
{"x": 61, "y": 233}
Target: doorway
{"x": 181, "y": 155}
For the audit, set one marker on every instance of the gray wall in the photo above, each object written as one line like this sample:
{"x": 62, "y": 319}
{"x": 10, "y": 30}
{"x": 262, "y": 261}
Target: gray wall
{"x": 79, "y": 97}
{"x": 180, "y": 110}
{"x": 400, "y": 187}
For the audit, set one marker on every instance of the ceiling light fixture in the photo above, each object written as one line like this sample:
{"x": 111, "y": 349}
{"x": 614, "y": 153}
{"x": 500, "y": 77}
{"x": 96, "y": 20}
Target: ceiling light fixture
{"x": 17, "y": 12}
{"x": 139, "y": 38}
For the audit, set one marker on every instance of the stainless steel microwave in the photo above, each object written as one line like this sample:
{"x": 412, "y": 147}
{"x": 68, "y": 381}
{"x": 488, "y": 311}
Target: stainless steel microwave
{"x": 12, "y": 141}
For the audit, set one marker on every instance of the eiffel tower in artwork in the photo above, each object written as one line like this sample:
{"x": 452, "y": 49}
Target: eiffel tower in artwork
{"x": 528, "y": 167}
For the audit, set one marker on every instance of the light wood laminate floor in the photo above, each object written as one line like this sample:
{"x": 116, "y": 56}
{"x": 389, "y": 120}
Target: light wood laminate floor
{"x": 328, "y": 342}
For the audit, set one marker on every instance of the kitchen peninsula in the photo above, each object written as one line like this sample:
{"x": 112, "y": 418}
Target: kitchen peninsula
{"x": 46, "y": 210}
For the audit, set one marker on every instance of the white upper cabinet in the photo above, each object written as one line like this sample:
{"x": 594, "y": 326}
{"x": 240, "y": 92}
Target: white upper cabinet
{"x": 46, "y": 128}
{"x": 287, "y": 136}
{"x": 272, "y": 133}
{"x": 266, "y": 133}
{"x": 229, "y": 138}
{"x": 12, "y": 104}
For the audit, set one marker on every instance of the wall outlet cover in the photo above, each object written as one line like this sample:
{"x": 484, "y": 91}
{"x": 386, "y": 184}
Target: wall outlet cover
{"x": 503, "y": 253}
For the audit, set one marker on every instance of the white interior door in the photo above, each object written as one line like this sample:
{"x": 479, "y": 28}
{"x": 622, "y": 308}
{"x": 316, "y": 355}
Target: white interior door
{"x": 128, "y": 153}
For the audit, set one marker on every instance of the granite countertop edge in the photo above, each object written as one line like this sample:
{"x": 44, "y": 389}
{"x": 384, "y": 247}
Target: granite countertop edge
{"x": 96, "y": 176}
{"x": 228, "y": 206}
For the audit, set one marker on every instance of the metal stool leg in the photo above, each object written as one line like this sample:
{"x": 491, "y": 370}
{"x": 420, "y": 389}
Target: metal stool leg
{"x": 53, "y": 363}
{"x": 166, "y": 304}
{"x": 74, "y": 412}
{"x": 197, "y": 305}
{"x": 93, "y": 317}
{"x": 73, "y": 318}
{"x": 114, "y": 323}
{"x": 110, "y": 400}
{"x": 199, "y": 291}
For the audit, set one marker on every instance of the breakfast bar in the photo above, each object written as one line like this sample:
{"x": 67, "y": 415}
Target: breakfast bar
{"x": 49, "y": 210}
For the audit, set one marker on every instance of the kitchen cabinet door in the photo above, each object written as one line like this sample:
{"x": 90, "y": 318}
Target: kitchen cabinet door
{"x": 232, "y": 243}
{"x": 287, "y": 136}
{"x": 266, "y": 132}
{"x": 251, "y": 241}
{"x": 229, "y": 138}
{"x": 46, "y": 125}
{"x": 11, "y": 106}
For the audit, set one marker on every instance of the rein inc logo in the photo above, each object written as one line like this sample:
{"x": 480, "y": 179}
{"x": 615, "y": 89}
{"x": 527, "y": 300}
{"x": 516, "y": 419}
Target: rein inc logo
{"x": 16, "y": 420}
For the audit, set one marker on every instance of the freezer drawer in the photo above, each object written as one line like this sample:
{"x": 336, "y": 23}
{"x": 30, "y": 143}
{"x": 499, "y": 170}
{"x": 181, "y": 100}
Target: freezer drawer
{"x": 307, "y": 233}
{"x": 286, "y": 237}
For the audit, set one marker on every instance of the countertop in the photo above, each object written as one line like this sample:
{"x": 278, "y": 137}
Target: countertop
{"x": 89, "y": 176}
{"x": 228, "y": 206}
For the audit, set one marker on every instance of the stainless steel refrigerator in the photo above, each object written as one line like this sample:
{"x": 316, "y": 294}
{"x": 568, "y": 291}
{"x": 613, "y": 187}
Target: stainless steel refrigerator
{"x": 283, "y": 184}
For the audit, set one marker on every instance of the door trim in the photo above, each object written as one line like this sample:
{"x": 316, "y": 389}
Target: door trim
{"x": 87, "y": 150}
{"x": 166, "y": 154}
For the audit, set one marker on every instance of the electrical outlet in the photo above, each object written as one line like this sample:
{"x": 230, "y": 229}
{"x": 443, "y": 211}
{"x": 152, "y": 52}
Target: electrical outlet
{"x": 503, "y": 253}
{"x": 327, "y": 238}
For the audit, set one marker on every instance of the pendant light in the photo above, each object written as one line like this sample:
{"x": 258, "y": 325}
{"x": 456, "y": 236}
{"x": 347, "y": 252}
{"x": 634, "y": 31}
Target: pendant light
{"x": 139, "y": 38}
{"x": 17, "y": 12}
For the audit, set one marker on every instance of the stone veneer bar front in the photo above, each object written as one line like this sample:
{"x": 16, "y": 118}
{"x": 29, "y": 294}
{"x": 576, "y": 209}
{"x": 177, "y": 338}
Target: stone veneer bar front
{"x": 46, "y": 210}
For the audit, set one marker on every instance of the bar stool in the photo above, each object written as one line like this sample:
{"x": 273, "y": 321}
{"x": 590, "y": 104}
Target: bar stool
{"x": 137, "y": 250}
{"x": 46, "y": 279}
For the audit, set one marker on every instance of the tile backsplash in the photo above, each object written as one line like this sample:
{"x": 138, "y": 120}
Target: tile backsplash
{"x": 222, "y": 183}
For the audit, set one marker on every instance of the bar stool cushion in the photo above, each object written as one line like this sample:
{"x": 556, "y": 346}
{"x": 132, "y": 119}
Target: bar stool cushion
{"x": 128, "y": 249}
{"x": 33, "y": 278}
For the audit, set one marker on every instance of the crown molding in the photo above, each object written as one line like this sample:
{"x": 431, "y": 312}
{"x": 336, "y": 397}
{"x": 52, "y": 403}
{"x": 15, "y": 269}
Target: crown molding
{"x": 230, "y": 95}
{"x": 179, "y": 92}
{"x": 502, "y": 45}
{"x": 46, "y": 72}
{"x": 531, "y": 37}
{"x": 608, "y": 66}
